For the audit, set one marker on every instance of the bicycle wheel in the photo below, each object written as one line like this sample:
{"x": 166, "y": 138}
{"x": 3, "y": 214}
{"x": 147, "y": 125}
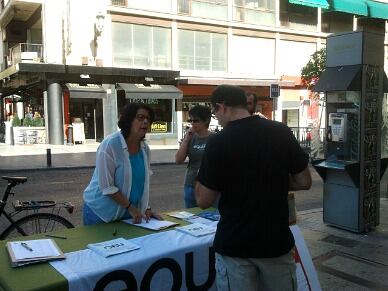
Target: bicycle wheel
{"x": 34, "y": 224}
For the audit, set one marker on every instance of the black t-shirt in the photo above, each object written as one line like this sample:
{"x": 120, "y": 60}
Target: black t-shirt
{"x": 249, "y": 163}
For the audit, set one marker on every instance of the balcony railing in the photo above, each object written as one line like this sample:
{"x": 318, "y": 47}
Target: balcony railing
{"x": 26, "y": 53}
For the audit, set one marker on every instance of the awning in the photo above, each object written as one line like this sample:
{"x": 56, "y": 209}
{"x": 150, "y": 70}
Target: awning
{"x": 311, "y": 3}
{"x": 153, "y": 91}
{"x": 356, "y": 7}
{"x": 86, "y": 91}
{"x": 346, "y": 78}
{"x": 377, "y": 9}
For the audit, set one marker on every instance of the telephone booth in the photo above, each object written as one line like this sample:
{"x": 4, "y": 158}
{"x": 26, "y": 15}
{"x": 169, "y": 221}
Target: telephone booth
{"x": 352, "y": 168}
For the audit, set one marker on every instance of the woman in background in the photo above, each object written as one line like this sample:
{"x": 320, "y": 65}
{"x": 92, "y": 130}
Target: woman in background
{"x": 193, "y": 146}
{"x": 119, "y": 188}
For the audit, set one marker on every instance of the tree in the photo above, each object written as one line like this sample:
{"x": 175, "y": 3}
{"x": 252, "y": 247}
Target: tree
{"x": 310, "y": 75}
{"x": 314, "y": 68}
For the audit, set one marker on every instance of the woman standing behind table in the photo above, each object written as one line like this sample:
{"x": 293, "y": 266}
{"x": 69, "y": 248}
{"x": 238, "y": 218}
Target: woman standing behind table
{"x": 119, "y": 188}
{"x": 193, "y": 146}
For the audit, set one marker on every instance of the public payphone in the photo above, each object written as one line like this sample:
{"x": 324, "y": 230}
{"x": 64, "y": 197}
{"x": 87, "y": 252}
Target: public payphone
{"x": 337, "y": 129}
{"x": 351, "y": 168}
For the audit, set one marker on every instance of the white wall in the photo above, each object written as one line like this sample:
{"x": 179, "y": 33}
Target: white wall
{"x": 252, "y": 57}
{"x": 52, "y": 14}
{"x": 293, "y": 56}
{"x": 79, "y": 25}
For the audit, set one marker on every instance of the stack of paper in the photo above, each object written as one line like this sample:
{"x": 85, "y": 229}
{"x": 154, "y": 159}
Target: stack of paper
{"x": 33, "y": 251}
{"x": 197, "y": 229}
{"x": 180, "y": 214}
{"x": 113, "y": 247}
{"x": 153, "y": 223}
{"x": 197, "y": 219}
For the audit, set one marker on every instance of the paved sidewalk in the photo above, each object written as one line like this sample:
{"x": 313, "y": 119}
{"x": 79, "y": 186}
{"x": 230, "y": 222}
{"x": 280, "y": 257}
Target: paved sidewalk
{"x": 343, "y": 260}
{"x": 35, "y": 157}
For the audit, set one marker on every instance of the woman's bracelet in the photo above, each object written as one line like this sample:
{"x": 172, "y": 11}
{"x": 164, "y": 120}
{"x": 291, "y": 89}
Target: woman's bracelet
{"x": 129, "y": 205}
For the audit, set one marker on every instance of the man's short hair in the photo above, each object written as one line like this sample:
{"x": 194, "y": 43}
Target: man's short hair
{"x": 229, "y": 95}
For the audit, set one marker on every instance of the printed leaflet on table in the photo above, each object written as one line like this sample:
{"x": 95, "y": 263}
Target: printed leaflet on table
{"x": 113, "y": 247}
{"x": 197, "y": 229}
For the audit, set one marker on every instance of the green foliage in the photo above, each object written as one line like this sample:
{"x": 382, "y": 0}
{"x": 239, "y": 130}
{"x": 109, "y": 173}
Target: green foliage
{"x": 314, "y": 68}
{"x": 16, "y": 121}
{"x": 37, "y": 121}
{"x": 27, "y": 121}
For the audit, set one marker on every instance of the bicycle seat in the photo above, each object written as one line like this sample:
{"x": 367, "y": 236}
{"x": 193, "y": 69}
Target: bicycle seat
{"x": 16, "y": 180}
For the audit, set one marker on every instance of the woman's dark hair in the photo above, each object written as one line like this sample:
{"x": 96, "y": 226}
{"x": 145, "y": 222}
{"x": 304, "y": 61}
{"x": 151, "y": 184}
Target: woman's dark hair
{"x": 201, "y": 112}
{"x": 128, "y": 114}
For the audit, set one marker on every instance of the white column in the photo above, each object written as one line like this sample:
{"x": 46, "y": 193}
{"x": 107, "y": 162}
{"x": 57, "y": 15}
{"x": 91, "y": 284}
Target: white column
{"x": 319, "y": 20}
{"x": 109, "y": 109}
{"x": 174, "y": 45}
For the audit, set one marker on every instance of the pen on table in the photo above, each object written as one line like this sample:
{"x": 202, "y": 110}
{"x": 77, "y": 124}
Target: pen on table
{"x": 56, "y": 236}
{"x": 114, "y": 232}
{"x": 26, "y": 246}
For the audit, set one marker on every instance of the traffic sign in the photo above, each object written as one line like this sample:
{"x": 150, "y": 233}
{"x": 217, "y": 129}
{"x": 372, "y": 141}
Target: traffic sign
{"x": 275, "y": 91}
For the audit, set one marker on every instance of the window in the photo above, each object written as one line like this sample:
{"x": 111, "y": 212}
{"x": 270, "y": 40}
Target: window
{"x": 255, "y": 11}
{"x": 163, "y": 113}
{"x": 202, "y": 51}
{"x": 299, "y": 17}
{"x": 213, "y": 9}
{"x": 141, "y": 46}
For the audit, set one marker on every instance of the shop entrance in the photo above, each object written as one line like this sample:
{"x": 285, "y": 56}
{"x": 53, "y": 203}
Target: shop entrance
{"x": 89, "y": 112}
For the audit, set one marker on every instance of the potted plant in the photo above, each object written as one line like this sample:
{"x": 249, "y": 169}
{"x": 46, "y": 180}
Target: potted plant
{"x": 27, "y": 121}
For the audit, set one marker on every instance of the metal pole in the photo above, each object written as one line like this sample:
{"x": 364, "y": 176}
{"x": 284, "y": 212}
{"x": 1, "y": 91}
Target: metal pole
{"x": 48, "y": 151}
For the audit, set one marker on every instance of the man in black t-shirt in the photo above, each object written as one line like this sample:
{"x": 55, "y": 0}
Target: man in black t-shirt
{"x": 251, "y": 165}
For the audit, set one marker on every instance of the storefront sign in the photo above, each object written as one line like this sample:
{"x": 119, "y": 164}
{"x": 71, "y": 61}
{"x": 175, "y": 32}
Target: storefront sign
{"x": 144, "y": 101}
{"x": 159, "y": 126}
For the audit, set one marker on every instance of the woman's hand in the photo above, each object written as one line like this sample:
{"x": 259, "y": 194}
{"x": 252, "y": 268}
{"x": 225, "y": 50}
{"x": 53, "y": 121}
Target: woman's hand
{"x": 149, "y": 213}
{"x": 188, "y": 136}
{"x": 136, "y": 214}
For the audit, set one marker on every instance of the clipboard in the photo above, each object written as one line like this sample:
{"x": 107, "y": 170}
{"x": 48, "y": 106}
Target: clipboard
{"x": 45, "y": 250}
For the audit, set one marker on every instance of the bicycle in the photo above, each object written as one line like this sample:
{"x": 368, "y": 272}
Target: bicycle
{"x": 37, "y": 222}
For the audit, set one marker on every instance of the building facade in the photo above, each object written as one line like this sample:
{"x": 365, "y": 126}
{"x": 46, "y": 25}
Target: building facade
{"x": 78, "y": 61}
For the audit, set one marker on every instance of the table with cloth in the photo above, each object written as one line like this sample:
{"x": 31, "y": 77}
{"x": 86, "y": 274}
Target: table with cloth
{"x": 166, "y": 260}
{"x": 175, "y": 246}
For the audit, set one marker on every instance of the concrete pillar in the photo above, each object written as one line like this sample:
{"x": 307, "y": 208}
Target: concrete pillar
{"x": 109, "y": 110}
{"x": 55, "y": 114}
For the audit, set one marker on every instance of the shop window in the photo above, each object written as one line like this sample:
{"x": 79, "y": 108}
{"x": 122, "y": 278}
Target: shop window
{"x": 163, "y": 113}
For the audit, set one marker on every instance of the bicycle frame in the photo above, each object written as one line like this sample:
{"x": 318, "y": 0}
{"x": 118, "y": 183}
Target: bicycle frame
{"x": 31, "y": 209}
{"x": 3, "y": 202}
